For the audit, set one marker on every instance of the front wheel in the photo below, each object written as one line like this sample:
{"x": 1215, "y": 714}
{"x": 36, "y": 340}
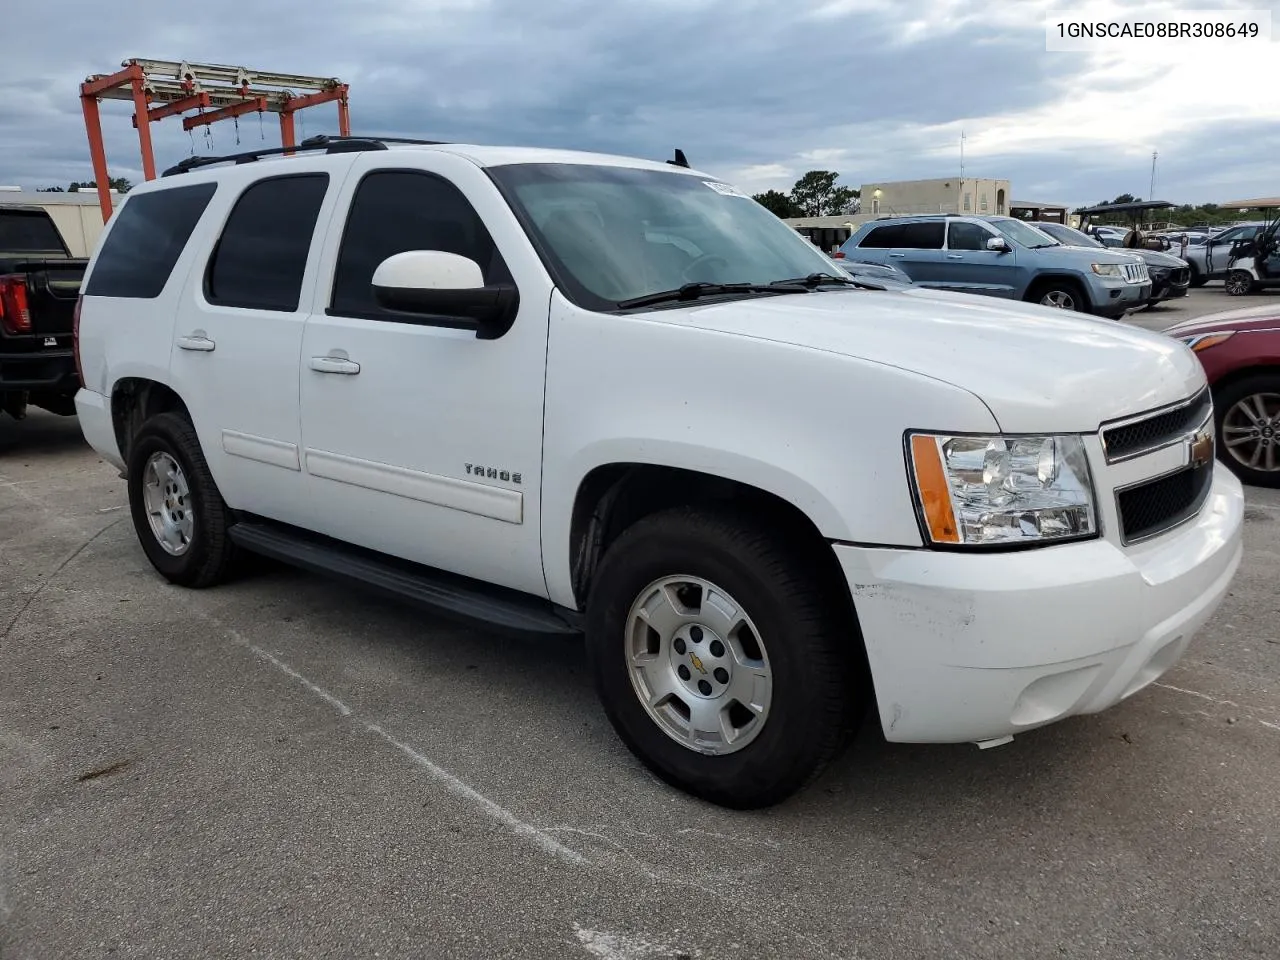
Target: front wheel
{"x": 1238, "y": 283}
{"x": 1248, "y": 414}
{"x": 1061, "y": 295}
{"x": 722, "y": 656}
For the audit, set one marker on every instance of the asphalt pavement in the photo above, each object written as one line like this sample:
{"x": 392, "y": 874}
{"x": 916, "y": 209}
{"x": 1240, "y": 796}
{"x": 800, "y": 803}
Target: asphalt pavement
{"x": 285, "y": 767}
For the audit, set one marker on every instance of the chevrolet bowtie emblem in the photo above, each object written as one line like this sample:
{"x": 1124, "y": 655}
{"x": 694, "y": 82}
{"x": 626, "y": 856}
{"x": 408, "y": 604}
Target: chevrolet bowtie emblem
{"x": 697, "y": 663}
{"x": 1201, "y": 448}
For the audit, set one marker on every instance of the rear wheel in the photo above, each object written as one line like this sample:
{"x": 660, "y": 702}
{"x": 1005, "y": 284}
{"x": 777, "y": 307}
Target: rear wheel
{"x": 1248, "y": 415}
{"x": 722, "y": 656}
{"x": 1238, "y": 283}
{"x": 178, "y": 514}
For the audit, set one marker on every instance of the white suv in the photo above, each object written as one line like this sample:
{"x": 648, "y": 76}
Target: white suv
{"x": 569, "y": 393}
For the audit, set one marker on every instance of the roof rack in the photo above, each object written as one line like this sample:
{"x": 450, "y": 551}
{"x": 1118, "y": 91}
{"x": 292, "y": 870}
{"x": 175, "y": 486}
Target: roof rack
{"x": 321, "y": 141}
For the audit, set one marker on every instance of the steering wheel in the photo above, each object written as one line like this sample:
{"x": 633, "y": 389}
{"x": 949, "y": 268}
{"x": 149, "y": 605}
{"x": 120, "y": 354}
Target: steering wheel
{"x": 697, "y": 261}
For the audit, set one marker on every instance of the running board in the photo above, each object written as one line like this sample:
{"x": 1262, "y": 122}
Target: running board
{"x": 438, "y": 591}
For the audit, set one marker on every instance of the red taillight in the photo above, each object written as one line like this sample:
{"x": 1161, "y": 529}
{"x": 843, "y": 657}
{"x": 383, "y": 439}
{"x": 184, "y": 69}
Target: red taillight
{"x": 15, "y": 315}
{"x": 838, "y": 255}
{"x": 75, "y": 338}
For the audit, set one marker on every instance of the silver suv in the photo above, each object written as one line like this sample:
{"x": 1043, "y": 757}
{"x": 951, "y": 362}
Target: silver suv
{"x": 1004, "y": 257}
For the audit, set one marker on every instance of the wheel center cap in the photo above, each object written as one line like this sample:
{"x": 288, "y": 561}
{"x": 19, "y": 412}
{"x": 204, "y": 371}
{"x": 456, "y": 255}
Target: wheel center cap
{"x": 701, "y": 661}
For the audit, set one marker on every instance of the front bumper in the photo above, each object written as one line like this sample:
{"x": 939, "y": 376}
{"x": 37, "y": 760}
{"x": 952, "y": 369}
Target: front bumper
{"x": 50, "y": 371}
{"x": 972, "y": 647}
{"x": 1170, "y": 286}
{"x": 1116, "y": 298}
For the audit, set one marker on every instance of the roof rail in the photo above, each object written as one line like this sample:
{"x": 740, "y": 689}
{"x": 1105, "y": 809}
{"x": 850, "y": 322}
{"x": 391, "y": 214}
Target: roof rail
{"x": 321, "y": 141}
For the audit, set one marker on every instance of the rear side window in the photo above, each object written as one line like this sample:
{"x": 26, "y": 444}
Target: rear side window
{"x": 881, "y": 238}
{"x": 29, "y": 231}
{"x": 262, "y": 254}
{"x": 398, "y": 210}
{"x": 145, "y": 240}
{"x": 926, "y": 235}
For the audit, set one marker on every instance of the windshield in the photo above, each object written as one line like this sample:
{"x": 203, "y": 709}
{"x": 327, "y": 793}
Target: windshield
{"x": 612, "y": 234}
{"x": 1023, "y": 234}
{"x": 1068, "y": 235}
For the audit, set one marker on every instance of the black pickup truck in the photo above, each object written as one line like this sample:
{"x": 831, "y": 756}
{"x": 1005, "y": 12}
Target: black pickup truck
{"x": 39, "y": 286}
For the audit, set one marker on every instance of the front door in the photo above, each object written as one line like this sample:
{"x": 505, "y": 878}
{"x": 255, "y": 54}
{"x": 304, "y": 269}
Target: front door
{"x": 969, "y": 267}
{"x": 236, "y": 342}
{"x": 421, "y": 440}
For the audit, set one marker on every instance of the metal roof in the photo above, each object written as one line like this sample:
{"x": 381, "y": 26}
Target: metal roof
{"x": 1259, "y": 203}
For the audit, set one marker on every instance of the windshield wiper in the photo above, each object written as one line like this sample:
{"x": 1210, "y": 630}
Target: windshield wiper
{"x": 694, "y": 291}
{"x": 818, "y": 280}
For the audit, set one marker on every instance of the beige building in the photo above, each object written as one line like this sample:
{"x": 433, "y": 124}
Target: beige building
{"x": 949, "y": 195}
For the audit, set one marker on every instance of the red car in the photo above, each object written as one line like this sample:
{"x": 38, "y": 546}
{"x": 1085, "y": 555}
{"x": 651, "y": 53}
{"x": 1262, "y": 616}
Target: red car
{"x": 1240, "y": 352}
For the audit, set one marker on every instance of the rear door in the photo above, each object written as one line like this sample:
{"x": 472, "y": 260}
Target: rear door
{"x": 968, "y": 266}
{"x": 915, "y": 248}
{"x": 239, "y": 333}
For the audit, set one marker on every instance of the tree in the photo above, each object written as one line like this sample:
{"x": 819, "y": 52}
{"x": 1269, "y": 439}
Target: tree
{"x": 50, "y": 190}
{"x": 118, "y": 184}
{"x": 777, "y": 203}
{"x": 816, "y": 194}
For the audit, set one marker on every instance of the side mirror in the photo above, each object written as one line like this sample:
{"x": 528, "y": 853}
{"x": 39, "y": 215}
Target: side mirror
{"x": 998, "y": 244}
{"x": 447, "y": 287}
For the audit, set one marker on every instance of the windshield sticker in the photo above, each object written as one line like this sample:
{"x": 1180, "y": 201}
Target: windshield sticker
{"x": 725, "y": 189}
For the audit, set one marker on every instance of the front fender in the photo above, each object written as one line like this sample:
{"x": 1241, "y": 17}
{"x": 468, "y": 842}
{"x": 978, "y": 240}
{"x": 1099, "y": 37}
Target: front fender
{"x": 820, "y": 430}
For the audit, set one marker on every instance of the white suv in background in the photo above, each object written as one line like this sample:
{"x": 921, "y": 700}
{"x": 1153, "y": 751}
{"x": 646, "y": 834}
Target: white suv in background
{"x": 566, "y": 393}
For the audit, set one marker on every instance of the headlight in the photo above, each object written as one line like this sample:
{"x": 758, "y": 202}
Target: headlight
{"x": 994, "y": 491}
{"x": 1107, "y": 269}
{"x": 1203, "y": 341}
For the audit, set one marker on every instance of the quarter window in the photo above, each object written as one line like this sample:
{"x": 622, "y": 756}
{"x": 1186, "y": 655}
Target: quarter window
{"x": 145, "y": 239}
{"x": 398, "y": 210}
{"x": 261, "y": 256}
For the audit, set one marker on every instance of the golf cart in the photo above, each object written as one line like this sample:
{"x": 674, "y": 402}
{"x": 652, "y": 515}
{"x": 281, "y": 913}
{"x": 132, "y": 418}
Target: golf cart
{"x": 1170, "y": 274}
{"x": 1254, "y": 263}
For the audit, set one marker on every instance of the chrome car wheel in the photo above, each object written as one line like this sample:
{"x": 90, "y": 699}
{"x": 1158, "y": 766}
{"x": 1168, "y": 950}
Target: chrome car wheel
{"x": 698, "y": 665}
{"x": 167, "y": 499}
{"x": 1251, "y": 431}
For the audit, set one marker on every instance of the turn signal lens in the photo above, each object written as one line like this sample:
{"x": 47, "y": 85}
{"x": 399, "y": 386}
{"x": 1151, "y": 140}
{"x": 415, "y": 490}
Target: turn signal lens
{"x": 1204, "y": 341}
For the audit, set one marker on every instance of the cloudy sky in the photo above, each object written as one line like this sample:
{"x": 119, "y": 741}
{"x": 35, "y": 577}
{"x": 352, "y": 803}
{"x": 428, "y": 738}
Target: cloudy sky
{"x": 756, "y": 91}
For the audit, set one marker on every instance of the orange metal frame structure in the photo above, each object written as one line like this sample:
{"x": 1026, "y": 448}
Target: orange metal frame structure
{"x": 169, "y": 88}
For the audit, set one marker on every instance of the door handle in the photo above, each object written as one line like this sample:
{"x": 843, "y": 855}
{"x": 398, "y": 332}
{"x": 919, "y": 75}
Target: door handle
{"x": 334, "y": 365}
{"x": 197, "y": 341}
{"x": 955, "y": 256}
{"x": 898, "y": 256}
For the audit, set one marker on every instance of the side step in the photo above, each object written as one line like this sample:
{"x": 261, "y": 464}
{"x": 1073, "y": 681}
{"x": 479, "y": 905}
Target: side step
{"x": 436, "y": 590}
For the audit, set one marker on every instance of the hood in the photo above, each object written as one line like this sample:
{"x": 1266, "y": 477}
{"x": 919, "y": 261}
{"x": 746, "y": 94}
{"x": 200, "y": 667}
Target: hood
{"x": 1158, "y": 258}
{"x": 1074, "y": 255}
{"x": 1038, "y": 369}
{"x": 1246, "y": 318}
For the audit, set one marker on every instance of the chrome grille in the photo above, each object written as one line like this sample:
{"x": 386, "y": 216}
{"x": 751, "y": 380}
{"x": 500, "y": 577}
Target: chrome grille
{"x": 1136, "y": 272}
{"x": 1152, "y": 431}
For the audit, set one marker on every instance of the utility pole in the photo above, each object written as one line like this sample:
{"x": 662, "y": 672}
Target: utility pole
{"x": 1151, "y": 194}
{"x": 961, "y": 198}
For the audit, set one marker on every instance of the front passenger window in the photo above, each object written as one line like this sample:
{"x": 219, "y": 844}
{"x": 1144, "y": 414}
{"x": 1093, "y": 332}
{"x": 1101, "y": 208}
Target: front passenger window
{"x": 398, "y": 210}
{"x": 962, "y": 235}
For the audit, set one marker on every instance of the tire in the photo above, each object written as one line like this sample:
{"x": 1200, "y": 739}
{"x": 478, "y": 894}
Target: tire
{"x": 1064, "y": 294}
{"x": 1238, "y": 283}
{"x": 806, "y": 640}
{"x": 1198, "y": 279}
{"x": 1235, "y": 422}
{"x": 202, "y": 554}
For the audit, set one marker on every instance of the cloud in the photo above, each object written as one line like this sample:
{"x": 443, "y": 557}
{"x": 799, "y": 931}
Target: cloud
{"x": 757, "y": 91}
